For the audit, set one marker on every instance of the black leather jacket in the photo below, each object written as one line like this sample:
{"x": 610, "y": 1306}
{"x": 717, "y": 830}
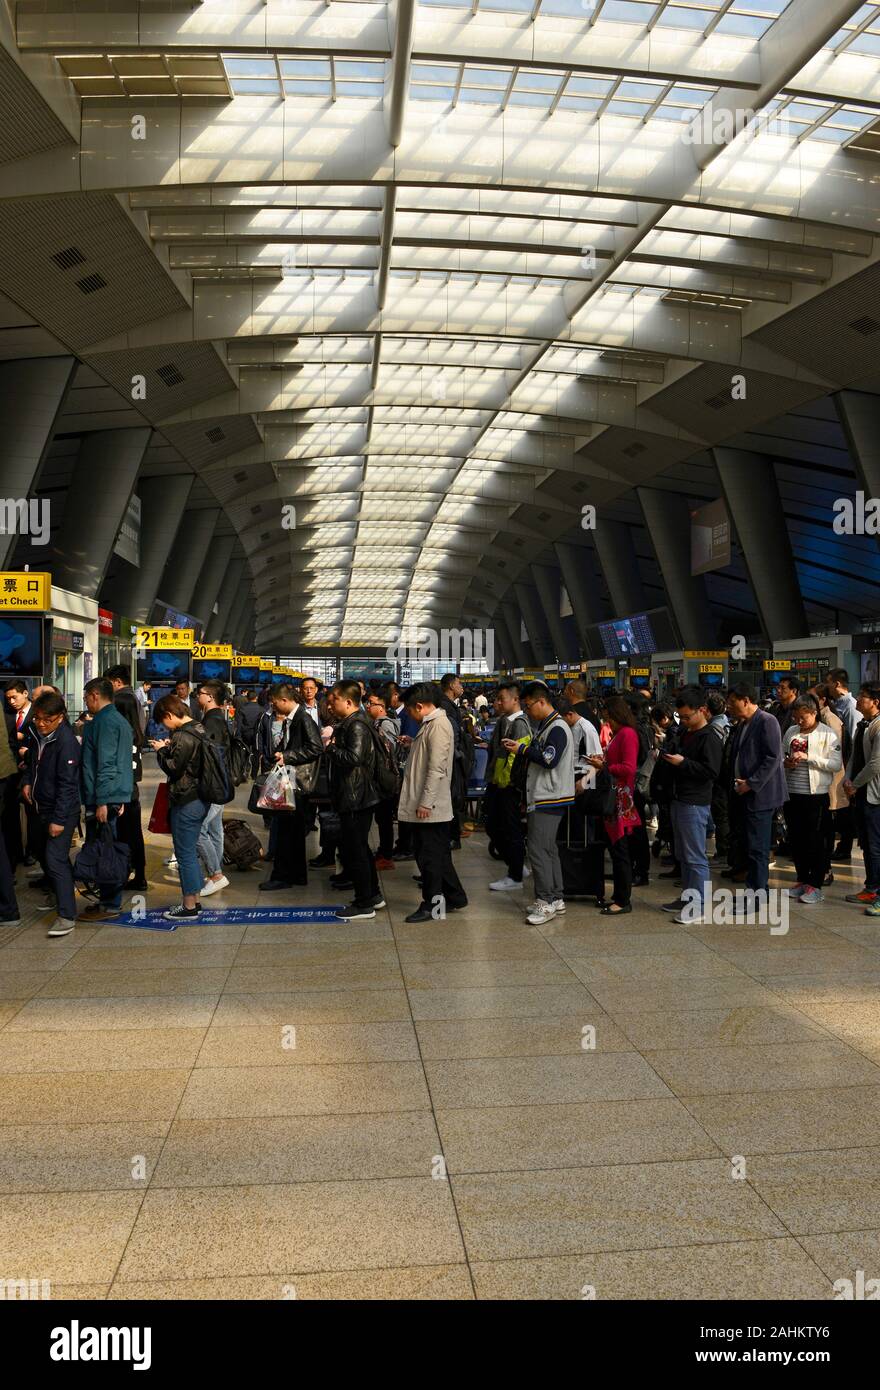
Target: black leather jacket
{"x": 302, "y": 741}
{"x": 352, "y": 760}
{"x": 182, "y": 762}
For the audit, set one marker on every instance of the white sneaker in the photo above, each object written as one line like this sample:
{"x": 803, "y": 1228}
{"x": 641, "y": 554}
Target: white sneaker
{"x": 544, "y": 912}
{"x": 527, "y": 873}
{"x": 501, "y": 885}
{"x": 214, "y": 886}
{"x": 62, "y": 927}
{"x": 811, "y": 896}
{"x": 170, "y": 863}
{"x": 686, "y": 919}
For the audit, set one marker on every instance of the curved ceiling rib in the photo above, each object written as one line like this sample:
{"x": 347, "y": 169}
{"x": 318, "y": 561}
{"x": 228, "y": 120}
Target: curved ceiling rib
{"x": 441, "y": 271}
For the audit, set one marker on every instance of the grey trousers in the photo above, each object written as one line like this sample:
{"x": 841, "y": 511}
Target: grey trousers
{"x": 544, "y": 856}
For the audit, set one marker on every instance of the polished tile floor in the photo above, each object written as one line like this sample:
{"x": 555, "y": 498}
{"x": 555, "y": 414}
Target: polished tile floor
{"x": 393, "y": 1111}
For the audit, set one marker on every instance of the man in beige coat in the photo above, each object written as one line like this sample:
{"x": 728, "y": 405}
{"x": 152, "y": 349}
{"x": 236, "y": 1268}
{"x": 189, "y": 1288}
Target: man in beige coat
{"x": 426, "y": 802}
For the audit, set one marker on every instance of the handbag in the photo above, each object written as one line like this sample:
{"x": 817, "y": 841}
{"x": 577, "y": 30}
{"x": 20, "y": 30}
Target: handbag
{"x": 160, "y": 822}
{"x": 256, "y": 791}
{"x": 600, "y": 800}
{"x": 102, "y": 859}
{"x": 307, "y": 776}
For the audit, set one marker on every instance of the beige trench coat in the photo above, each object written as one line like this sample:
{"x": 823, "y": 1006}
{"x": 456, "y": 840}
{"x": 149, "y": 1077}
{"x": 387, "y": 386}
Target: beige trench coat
{"x": 427, "y": 777}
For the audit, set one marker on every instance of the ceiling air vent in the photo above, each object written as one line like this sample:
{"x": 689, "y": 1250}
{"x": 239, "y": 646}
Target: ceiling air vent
{"x": 90, "y": 283}
{"x": 68, "y": 258}
{"x": 239, "y": 477}
{"x": 719, "y": 401}
{"x": 866, "y": 326}
{"x": 579, "y": 487}
{"x": 255, "y": 511}
{"x": 266, "y": 536}
{"x": 634, "y": 450}
{"x": 543, "y": 516}
{"x": 169, "y": 374}
{"x": 518, "y": 544}
{"x": 214, "y": 435}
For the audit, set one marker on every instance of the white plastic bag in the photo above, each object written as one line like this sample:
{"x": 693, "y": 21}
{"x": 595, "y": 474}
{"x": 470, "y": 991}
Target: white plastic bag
{"x": 278, "y": 791}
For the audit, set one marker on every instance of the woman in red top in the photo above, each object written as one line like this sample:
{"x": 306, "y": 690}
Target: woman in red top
{"x": 621, "y": 761}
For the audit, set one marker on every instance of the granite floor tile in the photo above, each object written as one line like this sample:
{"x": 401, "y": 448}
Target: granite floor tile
{"x": 763, "y": 1067}
{"x": 422, "y": 1282}
{"x": 137, "y": 1049}
{"x": 479, "y": 1082}
{"x": 698, "y": 1028}
{"x": 71, "y": 1157}
{"x": 790, "y": 1121}
{"x": 308, "y": 1227}
{"x": 69, "y": 1237}
{"x": 299, "y": 1007}
{"x": 277, "y": 1045}
{"x": 520, "y": 1037}
{"x": 258, "y": 1092}
{"x": 90, "y": 1097}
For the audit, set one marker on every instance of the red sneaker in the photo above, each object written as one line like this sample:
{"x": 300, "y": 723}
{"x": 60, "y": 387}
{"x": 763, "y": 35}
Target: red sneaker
{"x": 864, "y": 897}
{"x": 384, "y": 863}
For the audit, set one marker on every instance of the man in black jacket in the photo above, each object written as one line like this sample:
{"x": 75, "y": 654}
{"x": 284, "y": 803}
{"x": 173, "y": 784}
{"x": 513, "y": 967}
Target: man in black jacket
{"x": 695, "y": 767}
{"x": 247, "y": 717}
{"x": 287, "y": 735}
{"x": 51, "y": 786}
{"x": 352, "y": 760}
{"x": 130, "y": 831}
{"x": 212, "y": 697}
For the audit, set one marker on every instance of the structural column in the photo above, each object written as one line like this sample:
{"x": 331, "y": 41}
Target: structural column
{"x": 218, "y": 623}
{"x": 859, "y": 414}
{"x": 523, "y": 653}
{"x": 208, "y": 586}
{"x": 576, "y": 565}
{"x": 620, "y": 566}
{"x": 668, "y": 519}
{"x": 103, "y": 480}
{"x": 548, "y": 582}
{"x": 31, "y": 395}
{"x": 748, "y": 482}
{"x": 188, "y": 554}
{"x": 238, "y": 612}
{"x": 536, "y": 624}
{"x": 504, "y": 645}
{"x": 134, "y": 589}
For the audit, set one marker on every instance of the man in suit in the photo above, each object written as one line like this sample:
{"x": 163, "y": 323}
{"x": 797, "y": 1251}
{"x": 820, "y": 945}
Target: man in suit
{"x": 759, "y": 778}
{"x": 18, "y": 722}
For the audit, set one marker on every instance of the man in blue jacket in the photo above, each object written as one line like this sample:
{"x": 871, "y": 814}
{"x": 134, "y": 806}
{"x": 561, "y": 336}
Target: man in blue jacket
{"x": 759, "y": 778}
{"x": 51, "y": 787}
{"x": 107, "y": 779}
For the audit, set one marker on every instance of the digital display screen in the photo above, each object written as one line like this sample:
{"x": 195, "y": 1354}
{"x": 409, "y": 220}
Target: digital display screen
{"x": 628, "y": 636}
{"x": 206, "y": 670}
{"x": 21, "y": 647}
{"x": 247, "y": 675}
{"x": 640, "y": 682}
{"x": 265, "y": 676}
{"x": 278, "y": 678}
{"x": 606, "y": 683}
{"x": 711, "y": 678}
{"x": 164, "y": 668}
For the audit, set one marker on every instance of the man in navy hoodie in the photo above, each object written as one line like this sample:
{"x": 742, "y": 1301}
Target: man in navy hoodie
{"x": 51, "y": 787}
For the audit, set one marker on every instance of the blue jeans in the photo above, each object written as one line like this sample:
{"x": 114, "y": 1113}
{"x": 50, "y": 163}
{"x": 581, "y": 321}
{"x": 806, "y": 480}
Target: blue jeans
{"x": 186, "y": 824}
{"x": 689, "y": 828}
{"x": 211, "y": 839}
{"x": 759, "y": 825}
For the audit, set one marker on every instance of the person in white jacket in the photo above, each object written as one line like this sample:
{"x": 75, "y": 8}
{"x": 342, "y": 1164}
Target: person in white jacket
{"x": 811, "y": 756}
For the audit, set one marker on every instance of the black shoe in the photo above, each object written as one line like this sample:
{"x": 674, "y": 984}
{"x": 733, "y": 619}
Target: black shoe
{"x": 456, "y": 907}
{"x": 29, "y": 861}
{"x": 666, "y": 859}
{"x": 378, "y": 901}
{"x": 678, "y": 906}
{"x": 641, "y": 882}
{"x": 353, "y": 913}
{"x": 612, "y": 910}
{"x": 674, "y": 872}
{"x": 421, "y": 914}
{"x": 842, "y": 854}
{"x": 322, "y": 861}
{"x": 273, "y": 885}
{"x": 417, "y": 878}
{"x": 345, "y": 887}
{"x": 656, "y": 849}
{"x": 41, "y": 882}
{"x": 829, "y": 878}
{"x": 338, "y": 879}
{"x": 401, "y": 857}
{"x": 456, "y": 844}
{"x": 137, "y": 885}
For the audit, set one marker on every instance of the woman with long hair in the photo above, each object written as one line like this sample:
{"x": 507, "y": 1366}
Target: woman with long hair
{"x": 620, "y": 759}
{"x": 180, "y": 758}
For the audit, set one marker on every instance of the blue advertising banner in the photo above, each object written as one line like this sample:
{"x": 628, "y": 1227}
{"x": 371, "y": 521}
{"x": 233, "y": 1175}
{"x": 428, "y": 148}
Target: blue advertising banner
{"x": 230, "y": 916}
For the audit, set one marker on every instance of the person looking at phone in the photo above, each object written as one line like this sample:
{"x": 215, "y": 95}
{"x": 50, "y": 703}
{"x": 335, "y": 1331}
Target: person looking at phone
{"x": 811, "y": 755}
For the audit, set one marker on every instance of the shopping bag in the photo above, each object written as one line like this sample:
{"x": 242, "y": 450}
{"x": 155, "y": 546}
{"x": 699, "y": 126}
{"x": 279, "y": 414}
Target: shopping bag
{"x": 277, "y": 793}
{"x": 159, "y": 820}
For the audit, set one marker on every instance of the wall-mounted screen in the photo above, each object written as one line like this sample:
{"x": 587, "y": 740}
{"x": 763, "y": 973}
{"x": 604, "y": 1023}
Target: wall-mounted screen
{"x": 164, "y": 668}
{"x": 640, "y": 634}
{"x": 246, "y": 675}
{"x": 21, "y": 647}
{"x": 205, "y": 669}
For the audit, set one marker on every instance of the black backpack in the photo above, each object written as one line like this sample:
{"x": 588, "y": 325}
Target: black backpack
{"x": 216, "y": 784}
{"x": 240, "y": 756}
{"x": 386, "y": 773}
